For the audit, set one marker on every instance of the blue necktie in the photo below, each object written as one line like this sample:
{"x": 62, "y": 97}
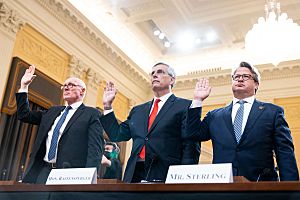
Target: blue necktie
{"x": 238, "y": 121}
{"x": 52, "y": 150}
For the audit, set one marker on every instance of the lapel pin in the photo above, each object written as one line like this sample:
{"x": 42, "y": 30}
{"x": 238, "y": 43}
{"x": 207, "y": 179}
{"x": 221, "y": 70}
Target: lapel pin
{"x": 261, "y": 107}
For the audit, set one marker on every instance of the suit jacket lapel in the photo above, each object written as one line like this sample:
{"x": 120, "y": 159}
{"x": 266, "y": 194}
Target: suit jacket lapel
{"x": 256, "y": 110}
{"x": 228, "y": 120}
{"x": 77, "y": 113}
{"x": 50, "y": 122}
{"x": 52, "y": 118}
{"x": 146, "y": 114}
{"x": 168, "y": 104}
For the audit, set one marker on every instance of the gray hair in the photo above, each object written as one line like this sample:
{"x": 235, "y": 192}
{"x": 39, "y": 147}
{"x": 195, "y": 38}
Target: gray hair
{"x": 170, "y": 70}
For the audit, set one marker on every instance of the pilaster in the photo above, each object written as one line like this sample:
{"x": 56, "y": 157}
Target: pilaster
{"x": 10, "y": 24}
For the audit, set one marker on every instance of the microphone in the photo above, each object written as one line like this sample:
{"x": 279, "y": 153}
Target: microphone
{"x": 153, "y": 157}
{"x": 66, "y": 165}
{"x": 266, "y": 175}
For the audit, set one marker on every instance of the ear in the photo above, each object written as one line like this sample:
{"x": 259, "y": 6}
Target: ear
{"x": 256, "y": 86}
{"x": 82, "y": 91}
{"x": 172, "y": 80}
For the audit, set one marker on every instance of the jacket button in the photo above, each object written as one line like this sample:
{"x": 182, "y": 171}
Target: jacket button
{"x": 146, "y": 139}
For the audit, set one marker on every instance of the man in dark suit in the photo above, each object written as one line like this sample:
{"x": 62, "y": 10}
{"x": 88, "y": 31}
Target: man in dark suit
{"x": 247, "y": 132}
{"x": 155, "y": 128}
{"x": 68, "y": 137}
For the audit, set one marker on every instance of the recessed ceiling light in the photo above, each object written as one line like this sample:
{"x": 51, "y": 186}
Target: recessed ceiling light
{"x": 161, "y": 36}
{"x": 186, "y": 40}
{"x": 167, "y": 44}
{"x": 211, "y": 36}
{"x": 156, "y": 32}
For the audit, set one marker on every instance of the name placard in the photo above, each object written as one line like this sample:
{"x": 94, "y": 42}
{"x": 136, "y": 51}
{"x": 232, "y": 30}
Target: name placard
{"x": 203, "y": 173}
{"x": 72, "y": 176}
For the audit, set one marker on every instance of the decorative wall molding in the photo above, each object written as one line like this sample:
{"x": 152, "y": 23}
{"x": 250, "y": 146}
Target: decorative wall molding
{"x": 219, "y": 77}
{"x": 79, "y": 69}
{"x": 76, "y": 67}
{"x": 64, "y": 12}
{"x": 10, "y": 20}
{"x": 36, "y": 49}
{"x": 93, "y": 79}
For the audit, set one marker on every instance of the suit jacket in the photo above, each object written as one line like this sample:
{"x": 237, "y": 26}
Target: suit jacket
{"x": 266, "y": 132}
{"x": 163, "y": 142}
{"x": 81, "y": 143}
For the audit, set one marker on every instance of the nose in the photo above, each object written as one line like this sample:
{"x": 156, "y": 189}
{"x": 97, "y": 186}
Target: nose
{"x": 154, "y": 74}
{"x": 66, "y": 88}
{"x": 240, "y": 78}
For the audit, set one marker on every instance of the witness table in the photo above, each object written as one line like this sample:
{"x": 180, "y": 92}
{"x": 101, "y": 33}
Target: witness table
{"x": 121, "y": 191}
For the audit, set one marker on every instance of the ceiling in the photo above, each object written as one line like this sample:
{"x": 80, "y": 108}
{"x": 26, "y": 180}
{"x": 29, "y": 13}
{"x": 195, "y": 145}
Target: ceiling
{"x": 130, "y": 25}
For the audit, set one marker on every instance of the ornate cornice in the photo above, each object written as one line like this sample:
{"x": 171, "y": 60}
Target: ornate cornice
{"x": 9, "y": 19}
{"x": 219, "y": 77}
{"x": 94, "y": 79}
{"x": 64, "y": 12}
{"x": 76, "y": 67}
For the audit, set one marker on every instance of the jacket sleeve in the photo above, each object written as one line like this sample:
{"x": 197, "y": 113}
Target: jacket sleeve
{"x": 196, "y": 128}
{"x": 191, "y": 148}
{"x": 284, "y": 149}
{"x": 25, "y": 114}
{"x": 115, "y": 131}
{"x": 95, "y": 141}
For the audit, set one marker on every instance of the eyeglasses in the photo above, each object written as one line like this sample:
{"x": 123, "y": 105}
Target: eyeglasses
{"x": 69, "y": 86}
{"x": 160, "y": 72}
{"x": 245, "y": 77}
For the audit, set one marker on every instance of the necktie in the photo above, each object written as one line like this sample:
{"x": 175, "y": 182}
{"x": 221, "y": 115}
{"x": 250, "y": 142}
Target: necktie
{"x": 238, "y": 121}
{"x": 52, "y": 149}
{"x": 150, "y": 122}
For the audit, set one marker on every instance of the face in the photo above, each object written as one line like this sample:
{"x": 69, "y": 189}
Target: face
{"x": 73, "y": 90}
{"x": 161, "y": 80}
{"x": 108, "y": 148}
{"x": 241, "y": 87}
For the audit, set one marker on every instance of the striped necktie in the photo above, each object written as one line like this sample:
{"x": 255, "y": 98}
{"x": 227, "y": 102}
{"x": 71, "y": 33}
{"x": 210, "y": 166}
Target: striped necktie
{"x": 54, "y": 140}
{"x": 238, "y": 121}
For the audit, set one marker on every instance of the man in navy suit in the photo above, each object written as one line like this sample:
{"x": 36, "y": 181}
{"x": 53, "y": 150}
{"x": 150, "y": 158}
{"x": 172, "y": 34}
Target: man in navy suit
{"x": 157, "y": 138}
{"x": 68, "y": 137}
{"x": 246, "y": 133}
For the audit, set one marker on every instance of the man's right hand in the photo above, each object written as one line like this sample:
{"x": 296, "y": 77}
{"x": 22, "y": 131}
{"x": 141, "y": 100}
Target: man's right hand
{"x": 106, "y": 162}
{"x": 202, "y": 89}
{"x": 109, "y": 95}
{"x": 28, "y": 77}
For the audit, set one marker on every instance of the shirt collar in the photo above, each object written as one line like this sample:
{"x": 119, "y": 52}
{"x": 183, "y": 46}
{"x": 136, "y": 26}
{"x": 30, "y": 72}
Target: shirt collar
{"x": 76, "y": 104}
{"x": 164, "y": 98}
{"x": 248, "y": 100}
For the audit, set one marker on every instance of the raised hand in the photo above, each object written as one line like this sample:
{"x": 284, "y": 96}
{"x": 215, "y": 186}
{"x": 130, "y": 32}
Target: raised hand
{"x": 109, "y": 95}
{"x": 202, "y": 89}
{"x": 28, "y": 77}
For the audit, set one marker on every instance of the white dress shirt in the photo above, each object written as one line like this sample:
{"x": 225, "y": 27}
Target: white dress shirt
{"x": 61, "y": 130}
{"x": 247, "y": 107}
{"x": 163, "y": 100}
